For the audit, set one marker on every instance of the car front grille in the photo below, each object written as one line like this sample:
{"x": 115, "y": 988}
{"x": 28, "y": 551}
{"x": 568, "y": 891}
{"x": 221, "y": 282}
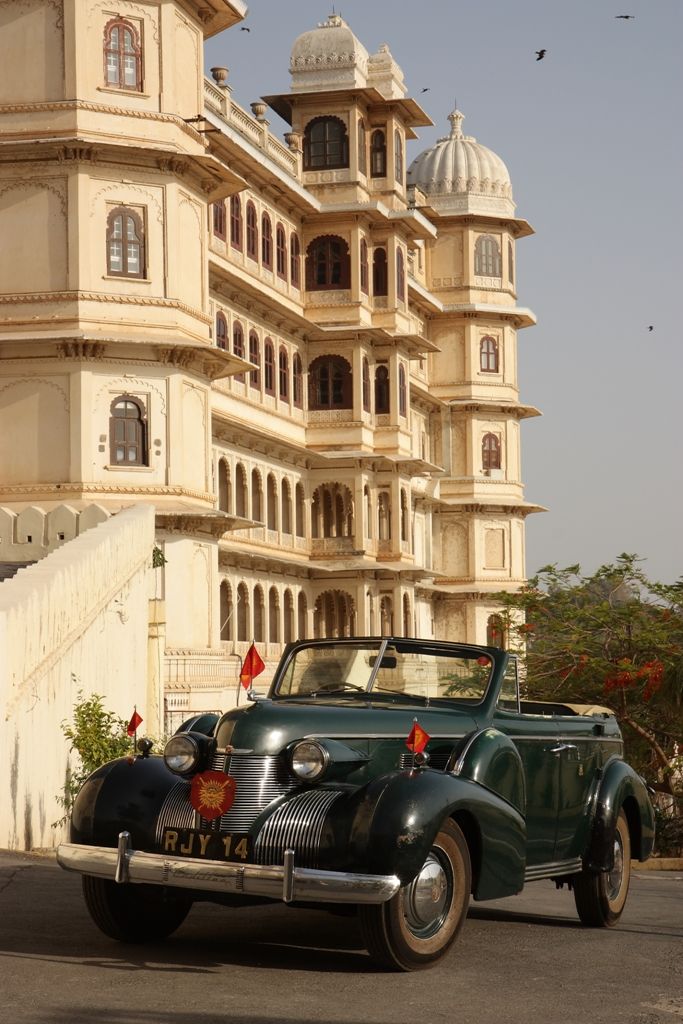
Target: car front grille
{"x": 296, "y": 825}
{"x": 260, "y": 780}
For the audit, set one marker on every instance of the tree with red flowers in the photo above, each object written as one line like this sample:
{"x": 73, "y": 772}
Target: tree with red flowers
{"x": 614, "y": 638}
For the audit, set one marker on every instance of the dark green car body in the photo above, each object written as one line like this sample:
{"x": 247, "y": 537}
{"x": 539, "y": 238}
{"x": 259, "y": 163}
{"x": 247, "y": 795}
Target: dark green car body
{"x": 535, "y": 790}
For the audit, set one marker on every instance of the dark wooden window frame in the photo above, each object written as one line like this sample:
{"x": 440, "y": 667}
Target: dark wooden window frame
{"x": 364, "y": 272}
{"x": 219, "y": 224}
{"x": 221, "y": 331}
{"x": 236, "y": 223}
{"x": 490, "y": 452}
{"x": 297, "y": 382}
{"x": 283, "y": 373}
{"x": 266, "y": 242}
{"x": 138, "y": 439}
{"x": 326, "y": 144}
{"x": 382, "y": 389}
{"x": 295, "y": 260}
{"x": 378, "y": 154}
{"x": 252, "y": 231}
{"x": 488, "y": 355}
{"x": 380, "y": 273}
{"x": 328, "y": 264}
{"x": 487, "y": 261}
{"x": 366, "y": 385}
{"x": 119, "y": 54}
{"x": 281, "y": 252}
{"x": 255, "y": 357}
{"x": 330, "y": 383}
{"x": 269, "y": 367}
{"x": 400, "y": 276}
{"x": 125, "y": 213}
{"x": 402, "y": 391}
{"x": 398, "y": 157}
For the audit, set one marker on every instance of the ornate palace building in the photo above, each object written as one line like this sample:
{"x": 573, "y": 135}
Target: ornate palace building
{"x": 302, "y": 353}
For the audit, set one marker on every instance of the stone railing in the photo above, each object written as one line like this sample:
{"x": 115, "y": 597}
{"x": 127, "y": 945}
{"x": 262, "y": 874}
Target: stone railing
{"x": 253, "y": 129}
{"x": 78, "y": 621}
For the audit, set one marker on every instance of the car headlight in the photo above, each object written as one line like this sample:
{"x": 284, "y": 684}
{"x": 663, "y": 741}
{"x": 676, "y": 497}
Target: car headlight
{"x": 308, "y": 760}
{"x": 181, "y": 754}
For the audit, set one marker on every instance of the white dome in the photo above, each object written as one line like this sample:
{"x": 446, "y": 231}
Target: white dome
{"x": 328, "y": 57}
{"x": 459, "y": 175}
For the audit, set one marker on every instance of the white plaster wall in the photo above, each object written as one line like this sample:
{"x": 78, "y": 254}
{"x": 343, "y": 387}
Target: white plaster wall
{"x": 78, "y": 620}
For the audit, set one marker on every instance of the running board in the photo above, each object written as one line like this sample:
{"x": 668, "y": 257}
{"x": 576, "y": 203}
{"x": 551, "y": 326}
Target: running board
{"x": 555, "y": 869}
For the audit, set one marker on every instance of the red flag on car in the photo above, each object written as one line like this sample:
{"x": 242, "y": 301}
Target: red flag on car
{"x": 135, "y": 721}
{"x": 417, "y": 739}
{"x": 252, "y": 666}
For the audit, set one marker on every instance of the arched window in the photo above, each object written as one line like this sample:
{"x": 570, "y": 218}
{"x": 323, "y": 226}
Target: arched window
{"x": 238, "y": 339}
{"x": 256, "y": 497}
{"x": 271, "y": 502}
{"x": 400, "y": 276}
{"x": 404, "y": 516}
{"x": 125, "y": 243}
{"x": 299, "y": 509}
{"x": 241, "y": 492}
{"x": 289, "y": 617}
{"x": 286, "y": 507}
{"x": 386, "y": 615}
{"x": 511, "y": 263}
{"x": 326, "y": 144}
{"x": 487, "y": 256}
{"x": 224, "y": 487}
{"x": 281, "y": 252}
{"x": 490, "y": 451}
{"x": 382, "y": 390}
{"x": 488, "y": 355}
{"x": 266, "y": 242}
{"x": 269, "y": 367}
{"x": 297, "y": 382}
{"x": 226, "y": 611}
{"x": 219, "y": 225}
{"x": 302, "y": 615}
{"x": 327, "y": 263}
{"x": 254, "y": 357}
{"x": 283, "y": 373}
{"x": 221, "y": 331}
{"x": 380, "y": 278}
{"x": 402, "y": 391}
{"x": 362, "y": 161}
{"x": 128, "y": 432}
{"x": 252, "y": 232}
{"x": 364, "y": 266}
{"x": 398, "y": 156}
{"x": 378, "y": 154}
{"x": 235, "y": 222}
{"x": 384, "y": 515}
{"x": 366, "y": 385}
{"x": 495, "y": 631}
{"x": 242, "y": 612}
{"x": 330, "y": 383}
{"x": 368, "y": 512}
{"x": 273, "y": 616}
{"x": 259, "y": 615}
{"x": 122, "y": 56}
{"x": 407, "y": 617}
{"x": 294, "y": 260}
{"x": 238, "y": 345}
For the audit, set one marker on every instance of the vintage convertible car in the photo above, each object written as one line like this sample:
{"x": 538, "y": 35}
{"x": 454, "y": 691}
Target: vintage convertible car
{"x": 394, "y": 776}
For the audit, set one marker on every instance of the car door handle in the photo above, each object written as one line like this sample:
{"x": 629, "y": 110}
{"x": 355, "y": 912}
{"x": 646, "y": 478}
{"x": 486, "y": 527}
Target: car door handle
{"x": 564, "y": 746}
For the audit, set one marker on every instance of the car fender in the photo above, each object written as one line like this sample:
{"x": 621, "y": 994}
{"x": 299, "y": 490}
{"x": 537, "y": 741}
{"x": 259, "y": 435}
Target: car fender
{"x": 126, "y": 794}
{"x": 398, "y": 817}
{"x": 492, "y": 760}
{"x": 620, "y": 787}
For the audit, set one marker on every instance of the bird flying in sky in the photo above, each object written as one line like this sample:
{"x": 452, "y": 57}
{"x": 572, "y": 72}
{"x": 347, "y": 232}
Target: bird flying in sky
{"x": 243, "y": 28}
{"x": 651, "y": 327}
{"x": 540, "y": 54}
{"x": 425, "y": 90}
{"x": 625, "y": 17}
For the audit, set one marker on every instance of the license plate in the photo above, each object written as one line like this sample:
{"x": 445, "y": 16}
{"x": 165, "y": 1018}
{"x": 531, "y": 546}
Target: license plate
{"x": 188, "y": 842}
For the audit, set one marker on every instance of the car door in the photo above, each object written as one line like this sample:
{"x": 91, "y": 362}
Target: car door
{"x": 579, "y": 757}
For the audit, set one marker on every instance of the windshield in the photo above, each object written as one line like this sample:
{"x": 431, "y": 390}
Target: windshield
{"x": 404, "y": 668}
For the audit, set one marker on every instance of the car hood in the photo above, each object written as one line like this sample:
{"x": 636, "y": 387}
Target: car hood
{"x": 269, "y": 726}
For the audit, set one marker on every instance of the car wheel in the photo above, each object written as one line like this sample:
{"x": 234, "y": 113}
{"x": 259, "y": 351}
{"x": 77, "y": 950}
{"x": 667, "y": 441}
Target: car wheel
{"x": 134, "y": 913}
{"x": 417, "y": 926}
{"x": 601, "y": 896}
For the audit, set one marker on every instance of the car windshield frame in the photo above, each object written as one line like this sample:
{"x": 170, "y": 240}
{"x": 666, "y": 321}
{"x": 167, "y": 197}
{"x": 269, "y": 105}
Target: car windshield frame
{"x": 386, "y": 668}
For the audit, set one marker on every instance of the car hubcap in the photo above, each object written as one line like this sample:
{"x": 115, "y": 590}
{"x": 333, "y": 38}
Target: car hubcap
{"x": 616, "y": 875}
{"x": 427, "y": 898}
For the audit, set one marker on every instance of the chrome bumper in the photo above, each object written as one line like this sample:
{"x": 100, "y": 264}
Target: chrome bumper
{"x": 273, "y": 881}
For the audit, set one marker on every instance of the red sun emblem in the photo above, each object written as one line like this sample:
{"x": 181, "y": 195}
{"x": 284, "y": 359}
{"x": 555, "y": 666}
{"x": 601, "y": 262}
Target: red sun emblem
{"x": 212, "y": 794}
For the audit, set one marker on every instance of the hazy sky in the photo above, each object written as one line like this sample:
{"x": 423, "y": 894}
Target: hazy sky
{"x": 592, "y": 137}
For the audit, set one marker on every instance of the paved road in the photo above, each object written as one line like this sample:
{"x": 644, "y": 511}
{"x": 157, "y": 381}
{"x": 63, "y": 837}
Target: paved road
{"x": 521, "y": 960}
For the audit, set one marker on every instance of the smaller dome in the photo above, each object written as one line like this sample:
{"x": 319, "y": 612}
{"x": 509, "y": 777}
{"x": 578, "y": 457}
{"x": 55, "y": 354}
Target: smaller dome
{"x": 328, "y": 57}
{"x": 459, "y": 175}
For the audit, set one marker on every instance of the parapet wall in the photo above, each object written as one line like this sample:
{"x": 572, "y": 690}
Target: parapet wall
{"x": 76, "y": 621}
